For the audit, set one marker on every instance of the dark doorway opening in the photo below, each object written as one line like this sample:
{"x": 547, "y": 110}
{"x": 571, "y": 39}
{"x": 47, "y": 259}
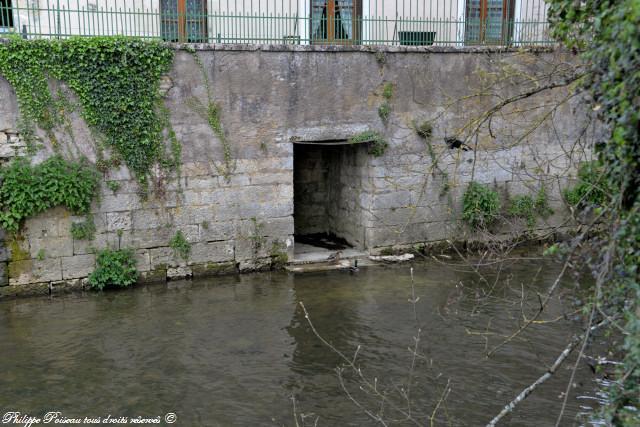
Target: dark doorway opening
{"x": 327, "y": 189}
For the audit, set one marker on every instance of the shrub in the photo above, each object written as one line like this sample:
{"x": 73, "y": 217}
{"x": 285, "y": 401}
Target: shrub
{"x": 114, "y": 268}
{"x": 481, "y": 205}
{"x": 28, "y": 190}
{"x": 181, "y": 247}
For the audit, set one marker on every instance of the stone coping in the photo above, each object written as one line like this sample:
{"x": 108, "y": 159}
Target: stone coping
{"x": 244, "y": 47}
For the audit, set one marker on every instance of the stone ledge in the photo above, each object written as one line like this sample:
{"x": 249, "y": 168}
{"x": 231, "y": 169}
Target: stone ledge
{"x": 244, "y": 47}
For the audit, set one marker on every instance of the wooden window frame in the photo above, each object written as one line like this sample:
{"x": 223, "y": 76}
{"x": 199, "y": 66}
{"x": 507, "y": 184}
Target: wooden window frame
{"x": 508, "y": 11}
{"x": 179, "y": 18}
{"x": 331, "y": 11}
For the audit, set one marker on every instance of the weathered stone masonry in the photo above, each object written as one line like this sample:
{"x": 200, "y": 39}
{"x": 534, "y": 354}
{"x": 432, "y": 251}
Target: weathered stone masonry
{"x": 271, "y": 97}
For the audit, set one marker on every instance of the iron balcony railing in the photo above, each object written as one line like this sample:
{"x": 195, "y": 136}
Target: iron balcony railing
{"x": 369, "y": 22}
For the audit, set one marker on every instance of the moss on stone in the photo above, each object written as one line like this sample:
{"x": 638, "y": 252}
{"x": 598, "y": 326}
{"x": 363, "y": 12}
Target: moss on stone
{"x": 213, "y": 269}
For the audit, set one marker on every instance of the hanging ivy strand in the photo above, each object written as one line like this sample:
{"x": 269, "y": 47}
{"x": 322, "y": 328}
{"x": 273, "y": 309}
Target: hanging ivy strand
{"x": 116, "y": 80}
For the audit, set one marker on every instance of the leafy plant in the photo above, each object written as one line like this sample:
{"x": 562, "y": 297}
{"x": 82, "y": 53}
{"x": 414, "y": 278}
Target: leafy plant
{"x": 378, "y": 145}
{"x": 590, "y": 188}
{"x": 27, "y": 190}
{"x": 113, "y": 185}
{"x": 541, "y": 203}
{"x": 424, "y": 129}
{"x": 40, "y": 256}
{"x": 387, "y": 91}
{"x": 523, "y": 206}
{"x": 181, "y": 247}
{"x": 480, "y": 205}
{"x": 278, "y": 254}
{"x": 84, "y": 230}
{"x": 114, "y": 268}
{"x": 384, "y": 110}
{"x": 116, "y": 80}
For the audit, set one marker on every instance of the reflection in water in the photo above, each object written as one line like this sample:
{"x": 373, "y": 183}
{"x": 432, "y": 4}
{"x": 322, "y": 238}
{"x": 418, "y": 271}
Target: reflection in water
{"x": 232, "y": 350}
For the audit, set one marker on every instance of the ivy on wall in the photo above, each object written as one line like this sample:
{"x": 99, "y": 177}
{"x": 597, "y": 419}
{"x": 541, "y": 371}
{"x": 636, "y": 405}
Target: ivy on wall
{"x": 116, "y": 80}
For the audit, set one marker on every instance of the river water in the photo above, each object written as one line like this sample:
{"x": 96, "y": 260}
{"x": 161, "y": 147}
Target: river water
{"x": 232, "y": 351}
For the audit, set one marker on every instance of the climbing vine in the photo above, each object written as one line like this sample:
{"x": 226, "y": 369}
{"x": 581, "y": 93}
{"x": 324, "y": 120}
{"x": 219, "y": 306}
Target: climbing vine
{"x": 116, "y": 80}
{"x": 606, "y": 33}
{"x": 27, "y": 190}
{"x": 211, "y": 113}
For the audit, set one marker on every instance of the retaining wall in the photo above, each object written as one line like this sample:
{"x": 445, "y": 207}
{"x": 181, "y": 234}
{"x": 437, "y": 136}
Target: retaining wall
{"x": 274, "y": 97}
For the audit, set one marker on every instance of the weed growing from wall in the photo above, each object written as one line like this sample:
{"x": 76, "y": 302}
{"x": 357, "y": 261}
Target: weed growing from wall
{"x": 278, "y": 254}
{"x": 523, "y": 206}
{"x": 377, "y": 144}
{"x": 181, "y": 247}
{"x": 529, "y": 208}
{"x": 114, "y": 268}
{"x": 116, "y": 80}
{"x": 84, "y": 230}
{"x": 590, "y": 188}
{"x": 480, "y": 205}
{"x": 27, "y": 190}
{"x": 114, "y": 186}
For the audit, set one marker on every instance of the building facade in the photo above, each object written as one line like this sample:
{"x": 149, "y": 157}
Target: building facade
{"x": 371, "y": 22}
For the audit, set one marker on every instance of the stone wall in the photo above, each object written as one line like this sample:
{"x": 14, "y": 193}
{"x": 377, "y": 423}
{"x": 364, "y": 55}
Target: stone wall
{"x": 271, "y": 97}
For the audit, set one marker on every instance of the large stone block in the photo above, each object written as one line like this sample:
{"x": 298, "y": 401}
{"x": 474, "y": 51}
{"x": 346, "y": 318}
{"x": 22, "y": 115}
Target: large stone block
{"x": 119, "y": 220}
{"x": 33, "y": 271}
{"x": 211, "y": 252}
{"x": 78, "y": 266}
{"x": 51, "y": 247}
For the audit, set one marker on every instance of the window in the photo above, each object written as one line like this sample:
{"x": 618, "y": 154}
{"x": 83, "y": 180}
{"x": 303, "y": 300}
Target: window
{"x": 184, "y": 20}
{"x": 334, "y": 21}
{"x": 6, "y": 15}
{"x": 489, "y": 21}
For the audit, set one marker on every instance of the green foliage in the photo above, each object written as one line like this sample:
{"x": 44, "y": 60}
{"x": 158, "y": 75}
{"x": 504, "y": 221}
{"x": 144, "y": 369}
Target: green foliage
{"x": 181, "y": 247}
{"x": 27, "y": 190}
{"x": 541, "y": 203}
{"x": 590, "y": 188}
{"x": 115, "y": 78}
{"x": 211, "y": 113}
{"x": 607, "y": 35}
{"x": 528, "y": 207}
{"x": 424, "y": 129}
{"x": 384, "y": 110}
{"x": 523, "y": 206}
{"x": 40, "y": 256}
{"x": 84, "y": 230}
{"x": 480, "y": 205}
{"x": 387, "y": 91}
{"x": 114, "y": 268}
{"x": 113, "y": 185}
{"x": 377, "y": 144}
{"x": 278, "y": 254}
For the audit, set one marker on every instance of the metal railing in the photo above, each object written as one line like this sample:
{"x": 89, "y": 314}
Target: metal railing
{"x": 369, "y": 22}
